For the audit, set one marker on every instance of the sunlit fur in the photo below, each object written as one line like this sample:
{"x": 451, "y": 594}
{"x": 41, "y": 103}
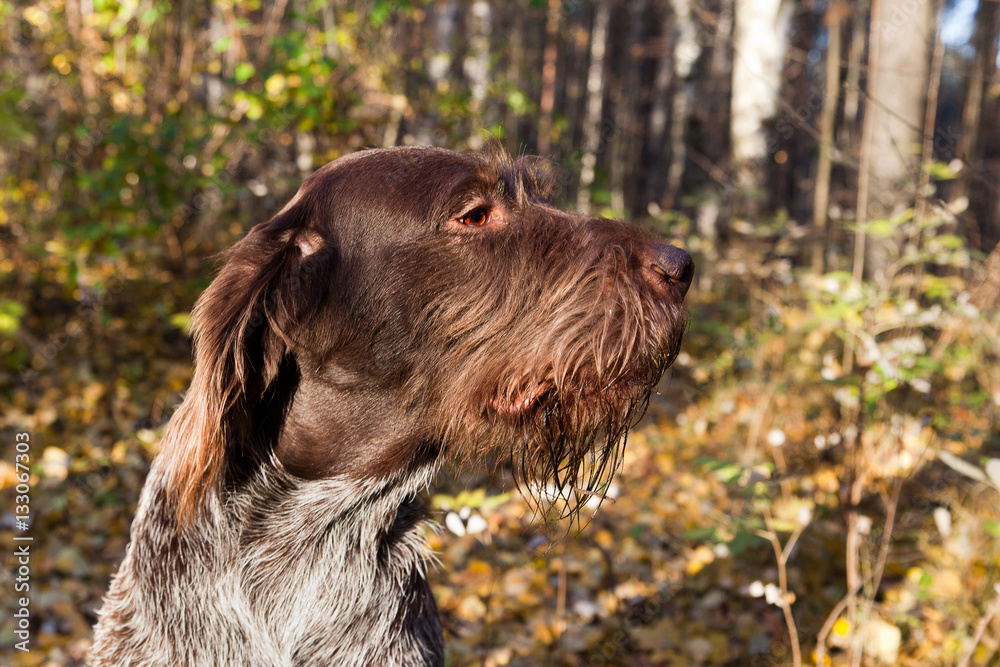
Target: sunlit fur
{"x": 348, "y": 347}
{"x": 567, "y": 315}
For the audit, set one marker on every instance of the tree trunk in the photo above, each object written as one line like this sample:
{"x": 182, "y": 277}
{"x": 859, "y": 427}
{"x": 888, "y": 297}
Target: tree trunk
{"x": 548, "y": 97}
{"x": 571, "y": 87}
{"x": 686, "y": 52}
{"x": 760, "y": 41}
{"x": 515, "y": 53}
{"x": 592, "y": 128}
{"x": 897, "y": 88}
{"x": 84, "y": 36}
{"x": 477, "y": 67}
{"x": 625, "y": 103}
{"x": 831, "y": 96}
{"x": 659, "y": 112}
{"x": 852, "y": 90}
{"x": 969, "y": 149}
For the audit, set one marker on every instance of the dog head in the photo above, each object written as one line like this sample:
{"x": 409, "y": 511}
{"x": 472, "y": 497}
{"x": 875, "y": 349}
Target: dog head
{"x": 415, "y": 304}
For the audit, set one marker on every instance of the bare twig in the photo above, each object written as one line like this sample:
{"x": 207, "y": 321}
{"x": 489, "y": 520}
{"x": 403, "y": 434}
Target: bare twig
{"x": 781, "y": 555}
{"x": 831, "y": 618}
{"x": 883, "y": 556}
{"x": 890, "y": 520}
{"x": 270, "y": 28}
{"x": 868, "y": 127}
{"x": 984, "y": 622}
{"x": 560, "y": 624}
{"x": 853, "y": 543}
{"x": 756, "y": 426}
{"x": 821, "y": 194}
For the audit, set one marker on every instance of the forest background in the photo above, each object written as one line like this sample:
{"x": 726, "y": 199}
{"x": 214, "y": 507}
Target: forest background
{"x": 817, "y": 479}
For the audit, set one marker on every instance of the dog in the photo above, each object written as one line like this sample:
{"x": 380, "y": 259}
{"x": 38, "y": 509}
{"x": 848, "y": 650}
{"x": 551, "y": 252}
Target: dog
{"x": 409, "y": 306}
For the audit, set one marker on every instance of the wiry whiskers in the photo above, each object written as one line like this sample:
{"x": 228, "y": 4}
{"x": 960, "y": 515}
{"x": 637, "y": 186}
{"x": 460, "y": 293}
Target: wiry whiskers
{"x": 408, "y": 307}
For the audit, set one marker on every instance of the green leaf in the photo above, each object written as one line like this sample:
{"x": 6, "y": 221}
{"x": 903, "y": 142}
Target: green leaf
{"x": 255, "y": 110}
{"x": 744, "y": 540}
{"x": 949, "y": 241}
{"x": 880, "y": 229}
{"x": 492, "y": 502}
{"x": 472, "y": 498}
{"x": 941, "y": 171}
{"x": 10, "y": 316}
{"x": 244, "y": 71}
{"x": 380, "y": 12}
{"x": 182, "y": 321}
{"x": 700, "y": 534}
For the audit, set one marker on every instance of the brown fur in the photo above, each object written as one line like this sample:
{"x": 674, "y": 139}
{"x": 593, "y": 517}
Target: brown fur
{"x": 365, "y": 334}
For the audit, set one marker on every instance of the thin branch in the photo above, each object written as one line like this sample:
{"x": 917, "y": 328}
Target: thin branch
{"x": 270, "y": 28}
{"x": 984, "y": 622}
{"x": 828, "y": 116}
{"x": 831, "y": 618}
{"x": 781, "y": 555}
{"x": 927, "y": 151}
{"x": 890, "y": 520}
{"x": 883, "y": 557}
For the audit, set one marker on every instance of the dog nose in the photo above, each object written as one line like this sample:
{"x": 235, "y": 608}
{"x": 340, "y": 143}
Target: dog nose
{"x": 671, "y": 267}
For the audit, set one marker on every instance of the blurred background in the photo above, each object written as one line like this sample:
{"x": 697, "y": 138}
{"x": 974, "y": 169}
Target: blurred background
{"x": 817, "y": 480}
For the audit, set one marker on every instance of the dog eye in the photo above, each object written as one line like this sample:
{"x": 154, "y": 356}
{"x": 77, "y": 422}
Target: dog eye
{"x": 477, "y": 217}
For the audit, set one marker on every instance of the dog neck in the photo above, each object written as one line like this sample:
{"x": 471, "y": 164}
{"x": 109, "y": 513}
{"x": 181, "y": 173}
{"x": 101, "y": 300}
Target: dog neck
{"x": 335, "y": 428}
{"x": 289, "y": 563}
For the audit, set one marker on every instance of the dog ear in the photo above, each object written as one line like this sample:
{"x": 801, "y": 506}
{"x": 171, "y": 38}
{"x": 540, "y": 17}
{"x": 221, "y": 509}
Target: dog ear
{"x": 272, "y": 280}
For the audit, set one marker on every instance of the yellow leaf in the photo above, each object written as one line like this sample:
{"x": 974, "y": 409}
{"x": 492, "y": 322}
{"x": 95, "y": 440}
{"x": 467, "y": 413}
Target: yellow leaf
{"x": 8, "y": 476}
{"x": 479, "y": 567}
{"x": 826, "y": 660}
{"x": 274, "y": 85}
{"x": 471, "y": 608}
{"x": 604, "y": 538}
{"x": 701, "y": 557}
{"x": 542, "y": 633}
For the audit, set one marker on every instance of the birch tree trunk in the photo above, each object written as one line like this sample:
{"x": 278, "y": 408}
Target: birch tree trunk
{"x": 592, "y": 134}
{"x": 760, "y": 40}
{"x": 477, "y": 67}
{"x": 686, "y": 52}
{"x": 895, "y": 109}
